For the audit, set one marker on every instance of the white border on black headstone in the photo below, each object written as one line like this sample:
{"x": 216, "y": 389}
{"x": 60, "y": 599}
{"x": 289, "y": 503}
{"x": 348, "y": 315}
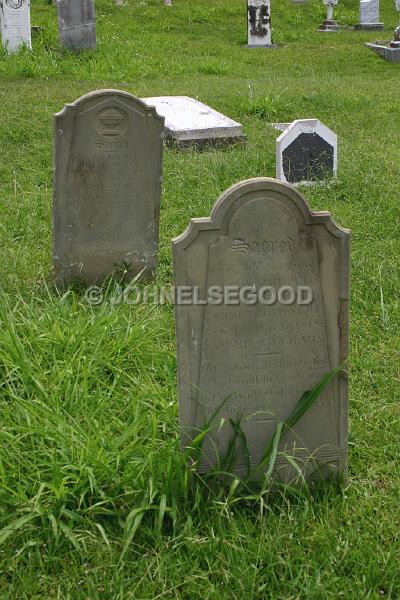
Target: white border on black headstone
{"x": 312, "y": 128}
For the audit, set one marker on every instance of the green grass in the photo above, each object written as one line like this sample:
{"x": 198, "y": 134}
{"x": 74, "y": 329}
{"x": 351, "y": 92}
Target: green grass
{"x": 94, "y": 499}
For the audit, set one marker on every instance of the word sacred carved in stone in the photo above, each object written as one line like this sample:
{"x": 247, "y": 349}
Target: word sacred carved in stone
{"x": 253, "y": 362}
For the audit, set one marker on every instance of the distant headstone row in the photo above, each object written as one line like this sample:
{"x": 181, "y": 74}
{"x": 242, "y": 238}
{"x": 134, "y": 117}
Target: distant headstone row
{"x": 77, "y": 24}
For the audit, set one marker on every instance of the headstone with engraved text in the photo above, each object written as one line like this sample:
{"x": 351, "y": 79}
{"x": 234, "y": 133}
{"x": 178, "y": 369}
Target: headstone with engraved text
{"x": 108, "y": 155}
{"x": 249, "y": 342}
{"x": 15, "y": 23}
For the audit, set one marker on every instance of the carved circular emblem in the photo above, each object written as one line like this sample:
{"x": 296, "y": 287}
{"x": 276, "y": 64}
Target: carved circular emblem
{"x": 14, "y": 3}
{"x": 111, "y": 122}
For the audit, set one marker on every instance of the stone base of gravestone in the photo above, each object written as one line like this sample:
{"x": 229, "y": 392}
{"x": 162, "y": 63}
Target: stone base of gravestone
{"x": 269, "y": 47}
{"x": 328, "y": 25}
{"x": 190, "y": 123}
{"x": 389, "y": 54}
{"x": 368, "y": 26}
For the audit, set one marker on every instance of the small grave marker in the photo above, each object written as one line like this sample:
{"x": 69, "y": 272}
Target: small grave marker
{"x": 15, "y": 23}
{"x": 306, "y": 152}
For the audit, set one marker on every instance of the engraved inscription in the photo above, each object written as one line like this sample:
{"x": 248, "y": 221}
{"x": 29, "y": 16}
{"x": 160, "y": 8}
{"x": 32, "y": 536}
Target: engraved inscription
{"x": 250, "y": 363}
{"x": 107, "y": 187}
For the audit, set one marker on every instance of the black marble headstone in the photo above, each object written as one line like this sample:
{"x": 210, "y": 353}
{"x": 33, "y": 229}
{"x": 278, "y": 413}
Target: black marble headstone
{"x": 308, "y": 158}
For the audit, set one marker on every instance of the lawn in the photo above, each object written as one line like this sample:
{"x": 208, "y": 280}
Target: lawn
{"x": 95, "y": 502}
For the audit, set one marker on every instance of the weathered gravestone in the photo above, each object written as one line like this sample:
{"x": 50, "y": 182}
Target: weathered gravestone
{"x": 369, "y": 15}
{"x": 189, "y": 122}
{"x": 77, "y": 24}
{"x": 329, "y": 24}
{"x": 259, "y": 24}
{"x": 108, "y": 156}
{"x": 258, "y": 350}
{"x": 306, "y": 152}
{"x": 15, "y": 23}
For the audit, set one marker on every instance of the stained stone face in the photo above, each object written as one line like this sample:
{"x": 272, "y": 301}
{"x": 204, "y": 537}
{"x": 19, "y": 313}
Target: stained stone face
{"x": 77, "y": 24}
{"x": 108, "y": 155}
{"x": 308, "y": 157}
{"x": 306, "y": 152}
{"x": 15, "y": 24}
{"x": 254, "y": 360}
{"x": 259, "y": 23}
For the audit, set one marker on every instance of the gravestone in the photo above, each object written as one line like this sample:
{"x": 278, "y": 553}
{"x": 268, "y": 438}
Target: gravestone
{"x": 252, "y": 361}
{"x": 108, "y": 161}
{"x": 15, "y": 23}
{"x": 329, "y": 24}
{"x": 369, "y": 15}
{"x": 189, "y": 122}
{"x": 77, "y": 24}
{"x": 306, "y": 152}
{"x": 391, "y": 51}
{"x": 259, "y": 24}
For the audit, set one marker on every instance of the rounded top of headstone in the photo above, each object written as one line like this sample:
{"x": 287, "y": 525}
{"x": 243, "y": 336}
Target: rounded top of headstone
{"x": 111, "y": 114}
{"x": 263, "y": 189}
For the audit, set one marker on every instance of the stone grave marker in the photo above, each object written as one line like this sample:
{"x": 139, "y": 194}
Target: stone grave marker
{"x": 306, "y": 152}
{"x": 369, "y": 15}
{"x": 389, "y": 51}
{"x": 15, "y": 23}
{"x": 329, "y": 24}
{"x": 77, "y": 24}
{"x": 108, "y": 161}
{"x": 259, "y": 30}
{"x": 189, "y": 122}
{"x": 277, "y": 325}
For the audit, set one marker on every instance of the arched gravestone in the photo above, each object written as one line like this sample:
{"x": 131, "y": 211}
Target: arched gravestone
{"x": 15, "y": 24}
{"x": 108, "y": 161}
{"x": 306, "y": 152}
{"x": 258, "y": 358}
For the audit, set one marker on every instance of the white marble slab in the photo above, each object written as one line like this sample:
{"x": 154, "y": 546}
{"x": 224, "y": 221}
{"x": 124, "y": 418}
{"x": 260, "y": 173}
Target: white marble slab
{"x": 189, "y": 121}
{"x": 15, "y": 24}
